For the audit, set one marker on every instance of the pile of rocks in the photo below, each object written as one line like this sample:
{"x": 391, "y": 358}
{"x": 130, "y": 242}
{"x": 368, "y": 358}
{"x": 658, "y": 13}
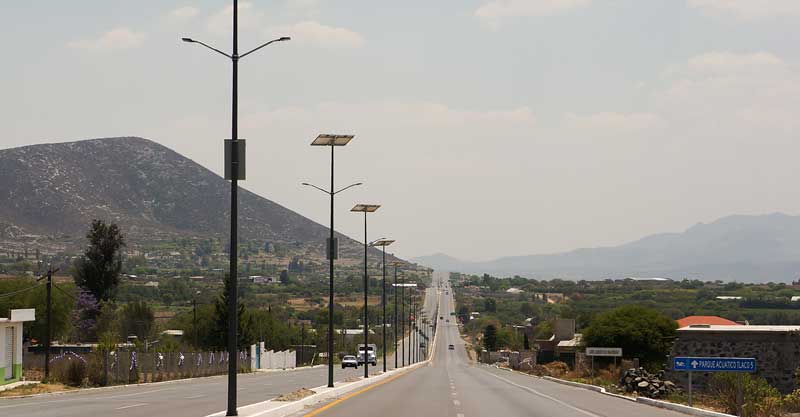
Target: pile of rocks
{"x": 643, "y": 383}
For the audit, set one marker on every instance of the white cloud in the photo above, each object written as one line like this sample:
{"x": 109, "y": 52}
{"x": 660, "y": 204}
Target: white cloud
{"x": 315, "y": 33}
{"x": 120, "y": 38}
{"x": 493, "y": 12}
{"x": 396, "y": 113}
{"x": 184, "y": 13}
{"x": 736, "y": 92}
{"x": 748, "y": 9}
{"x": 609, "y": 122}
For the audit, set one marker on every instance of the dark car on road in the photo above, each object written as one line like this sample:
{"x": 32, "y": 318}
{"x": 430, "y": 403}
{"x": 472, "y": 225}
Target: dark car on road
{"x": 451, "y": 347}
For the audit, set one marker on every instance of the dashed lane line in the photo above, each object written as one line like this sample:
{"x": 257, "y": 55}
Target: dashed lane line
{"x": 130, "y": 406}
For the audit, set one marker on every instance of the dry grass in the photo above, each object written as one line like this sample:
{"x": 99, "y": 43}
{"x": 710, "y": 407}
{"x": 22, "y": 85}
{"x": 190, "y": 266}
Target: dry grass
{"x": 303, "y": 304}
{"x": 295, "y": 395}
{"x": 31, "y": 389}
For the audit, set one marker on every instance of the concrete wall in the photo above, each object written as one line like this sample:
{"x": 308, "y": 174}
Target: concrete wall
{"x": 777, "y": 354}
{"x": 16, "y": 374}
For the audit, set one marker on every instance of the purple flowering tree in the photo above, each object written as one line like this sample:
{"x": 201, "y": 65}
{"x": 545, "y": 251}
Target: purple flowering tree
{"x": 84, "y": 315}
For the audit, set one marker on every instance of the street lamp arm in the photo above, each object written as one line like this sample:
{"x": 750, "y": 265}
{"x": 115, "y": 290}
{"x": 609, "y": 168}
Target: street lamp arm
{"x": 285, "y": 38}
{"x": 314, "y": 186}
{"x": 349, "y": 186}
{"x": 190, "y": 40}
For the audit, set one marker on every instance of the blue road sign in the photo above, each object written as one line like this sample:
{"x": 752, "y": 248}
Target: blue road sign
{"x": 682, "y": 363}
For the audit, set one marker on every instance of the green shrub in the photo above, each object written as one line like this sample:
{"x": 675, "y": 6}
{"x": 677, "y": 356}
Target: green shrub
{"x": 759, "y": 399}
{"x": 73, "y": 372}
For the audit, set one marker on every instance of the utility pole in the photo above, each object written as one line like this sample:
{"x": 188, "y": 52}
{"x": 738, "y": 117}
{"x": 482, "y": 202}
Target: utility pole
{"x": 48, "y": 330}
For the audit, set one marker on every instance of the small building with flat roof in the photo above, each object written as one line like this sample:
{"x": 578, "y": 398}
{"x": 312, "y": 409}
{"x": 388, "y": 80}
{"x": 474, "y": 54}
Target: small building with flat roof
{"x": 11, "y": 344}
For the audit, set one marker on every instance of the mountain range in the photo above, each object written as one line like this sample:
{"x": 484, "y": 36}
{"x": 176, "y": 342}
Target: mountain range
{"x": 735, "y": 248}
{"x": 151, "y": 191}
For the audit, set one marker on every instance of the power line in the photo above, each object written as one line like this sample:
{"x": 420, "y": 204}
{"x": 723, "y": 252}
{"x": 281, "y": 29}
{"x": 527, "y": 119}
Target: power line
{"x": 20, "y": 291}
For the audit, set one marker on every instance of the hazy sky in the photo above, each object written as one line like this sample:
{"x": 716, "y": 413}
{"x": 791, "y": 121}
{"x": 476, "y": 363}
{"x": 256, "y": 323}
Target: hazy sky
{"x": 485, "y": 127}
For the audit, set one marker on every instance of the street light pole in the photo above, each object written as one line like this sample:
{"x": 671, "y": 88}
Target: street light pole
{"x": 366, "y": 208}
{"x": 383, "y": 243}
{"x": 394, "y": 323}
{"x": 332, "y": 141}
{"x": 403, "y": 318}
{"x": 234, "y": 214}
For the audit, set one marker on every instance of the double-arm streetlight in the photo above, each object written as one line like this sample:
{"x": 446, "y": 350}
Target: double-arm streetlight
{"x": 333, "y": 247}
{"x": 395, "y": 264}
{"x": 366, "y": 208}
{"x": 383, "y": 243}
{"x": 236, "y": 172}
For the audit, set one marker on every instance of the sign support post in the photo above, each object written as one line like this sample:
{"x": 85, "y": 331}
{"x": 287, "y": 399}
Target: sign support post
{"x": 690, "y": 388}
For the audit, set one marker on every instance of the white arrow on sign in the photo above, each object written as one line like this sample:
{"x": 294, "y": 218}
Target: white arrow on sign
{"x": 694, "y": 364}
{"x": 680, "y": 363}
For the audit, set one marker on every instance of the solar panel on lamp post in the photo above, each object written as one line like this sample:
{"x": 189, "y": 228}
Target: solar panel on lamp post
{"x": 332, "y": 248}
{"x": 365, "y": 208}
{"x": 383, "y": 243}
{"x": 236, "y": 169}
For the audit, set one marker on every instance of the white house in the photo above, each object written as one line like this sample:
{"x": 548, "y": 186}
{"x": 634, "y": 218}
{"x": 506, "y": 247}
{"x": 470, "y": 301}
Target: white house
{"x": 11, "y": 344}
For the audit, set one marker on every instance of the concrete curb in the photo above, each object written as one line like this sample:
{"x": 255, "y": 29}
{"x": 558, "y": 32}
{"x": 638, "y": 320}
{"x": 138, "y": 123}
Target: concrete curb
{"x": 681, "y": 408}
{"x": 17, "y": 385}
{"x": 272, "y": 408}
{"x": 685, "y": 409}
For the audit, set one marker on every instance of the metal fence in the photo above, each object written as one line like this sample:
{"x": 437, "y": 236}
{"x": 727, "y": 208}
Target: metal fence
{"x": 133, "y": 367}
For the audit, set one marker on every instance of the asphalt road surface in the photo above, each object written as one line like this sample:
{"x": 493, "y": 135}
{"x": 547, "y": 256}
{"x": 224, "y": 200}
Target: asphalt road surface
{"x": 186, "y": 398}
{"x": 453, "y": 386}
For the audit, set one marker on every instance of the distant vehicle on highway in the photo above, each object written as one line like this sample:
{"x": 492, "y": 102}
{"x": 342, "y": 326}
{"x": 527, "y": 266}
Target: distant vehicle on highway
{"x": 349, "y": 361}
{"x": 441, "y": 317}
{"x": 447, "y": 321}
{"x": 451, "y": 347}
{"x": 371, "y": 356}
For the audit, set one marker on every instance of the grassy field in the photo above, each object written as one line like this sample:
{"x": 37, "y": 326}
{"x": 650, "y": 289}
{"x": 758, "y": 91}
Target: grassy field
{"x": 303, "y": 304}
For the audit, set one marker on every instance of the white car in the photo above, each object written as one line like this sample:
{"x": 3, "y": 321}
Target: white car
{"x": 349, "y": 361}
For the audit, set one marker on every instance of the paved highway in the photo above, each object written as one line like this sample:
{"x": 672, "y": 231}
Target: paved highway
{"x": 453, "y": 386}
{"x": 190, "y": 398}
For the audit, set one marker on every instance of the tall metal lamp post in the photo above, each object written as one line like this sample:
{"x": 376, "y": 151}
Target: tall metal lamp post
{"x": 333, "y": 244}
{"x": 234, "y": 169}
{"x": 395, "y": 264}
{"x": 383, "y": 243}
{"x": 366, "y": 208}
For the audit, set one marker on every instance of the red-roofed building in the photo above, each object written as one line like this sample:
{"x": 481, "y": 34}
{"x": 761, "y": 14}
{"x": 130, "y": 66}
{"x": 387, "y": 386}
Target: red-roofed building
{"x": 710, "y": 320}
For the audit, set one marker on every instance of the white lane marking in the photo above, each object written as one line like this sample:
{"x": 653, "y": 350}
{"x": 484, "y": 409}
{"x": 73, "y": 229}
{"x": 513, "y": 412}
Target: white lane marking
{"x": 137, "y": 393}
{"x": 195, "y": 396}
{"x": 460, "y": 415}
{"x": 456, "y": 403}
{"x": 555, "y": 400}
{"x": 131, "y": 406}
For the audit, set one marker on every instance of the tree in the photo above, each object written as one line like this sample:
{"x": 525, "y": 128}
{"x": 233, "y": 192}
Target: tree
{"x": 84, "y": 315}
{"x": 641, "y": 332}
{"x": 490, "y": 305}
{"x": 219, "y": 338}
{"x": 136, "y": 319}
{"x": 98, "y": 270}
{"x": 284, "y": 277}
{"x": 490, "y": 337}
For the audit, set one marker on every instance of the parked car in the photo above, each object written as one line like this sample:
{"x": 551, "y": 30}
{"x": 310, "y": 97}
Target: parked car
{"x": 349, "y": 361}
